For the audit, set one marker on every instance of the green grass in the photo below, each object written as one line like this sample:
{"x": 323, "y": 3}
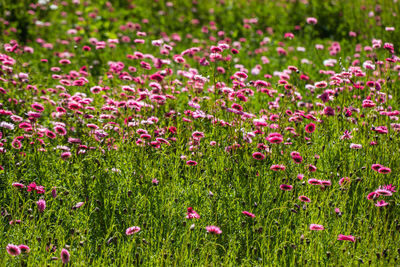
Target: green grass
{"x": 114, "y": 176}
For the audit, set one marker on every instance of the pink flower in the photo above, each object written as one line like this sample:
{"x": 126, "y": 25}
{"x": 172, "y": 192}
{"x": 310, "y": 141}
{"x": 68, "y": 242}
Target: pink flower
{"x": 286, "y": 187}
{"x": 192, "y": 214}
{"x": 16, "y": 144}
{"x": 64, "y": 256}
{"x": 383, "y": 192}
{"x": 31, "y": 187}
{"x": 316, "y": 227}
{"x": 13, "y": 250}
{"x": 191, "y": 163}
{"x": 41, "y": 204}
{"x": 310, "y": 128}
{"x": 78, "y": 205}
{"x": 355, "y": 146}
{"x": 297, "y": 159}
{"x": 389, "y": 187}
{"x": 384, "y": 170}
{"x": 376, "y": 167}
{"x": 40, "y": 189}
{"x": 18, "y": 185}
{"x": 249, "y": 214}
{"x": 311, "y": 20}
{"x": 258, "y": 156}
{"x": 24, "y": 248}
{"x": 213, "y": 230}
{"x": 312, "y": 168}
{"x": 277, "y": 167}
{"x": 314, "y": 181}
{"x": 372, "y": 195}
{"x": 132, "y": 230}
{"x": 346, "y": 238}
{"x": 326, "y": 182}
{"x": 54, "y": 192}
{"x": 381, "y": 203}
{"x": 274, "y": 138}
{"x": 65, "y": 155}
{"x": 344, "y": 181}
{"x": 304, "y": 199}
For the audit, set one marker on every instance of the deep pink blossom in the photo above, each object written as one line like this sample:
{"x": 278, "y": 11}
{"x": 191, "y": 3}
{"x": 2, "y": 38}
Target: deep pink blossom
{"x": 346, "y": 238}
{"x": 212, "y": 229}
{"x": 13, "y": 250}
{"x": 316, "y": 227}
{"x": 132, "y": 230}
{"x": 248, "y": 214}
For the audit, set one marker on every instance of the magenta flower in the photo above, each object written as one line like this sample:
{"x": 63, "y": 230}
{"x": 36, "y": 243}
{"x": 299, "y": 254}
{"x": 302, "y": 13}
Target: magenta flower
{"x": 78, "y": 205}
{"x": 312, "y": 168}
{"x": 384, "y": 170}
{"x": 316, "y": 227}
{"x": 65, "y": 256}
{"x": 212, "y": 229}
{"x": 383, "y": 192}
{"x": 66, "y": 155}
{"x": 304, "y": 199}
{"x": 314, "y": 181}
{"x": 13, "y": 250}
{"x": 346, "y": 238}
{"x": 310, "y": 128}
{"x": 277, "y": 167}
{"x": 376, "y": 167}
{"x": 326, "y": 182}
{"x": 132, "y": 230}
{"x": 18, "y": 185}
{"x": 249, "y": 214}
{"x": 274, "y": 138}
{"x": 54, "y": 192}
{"x": 381, "y": 203}
{"x": 258, "y": 156}
{"x": 389, "y": 187}
{"x": 191, "y": 163}
{"x": 344, "y": 181}
{"x": 286, "y": 187}
{"x": 311, "y": 20}
{"x": 297, "y": 159}
{"x": 372, "y": 195}
{"x": 41, "y": 204}
{"x": 24, "y": 249}
{"x": 192, "y": 214}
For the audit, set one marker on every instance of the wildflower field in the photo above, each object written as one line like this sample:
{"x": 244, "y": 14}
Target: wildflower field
{"x": 199, "y": 133}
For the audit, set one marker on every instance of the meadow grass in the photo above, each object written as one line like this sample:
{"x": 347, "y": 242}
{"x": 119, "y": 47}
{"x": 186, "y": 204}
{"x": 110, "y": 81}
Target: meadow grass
{"x": 127, "y": 113}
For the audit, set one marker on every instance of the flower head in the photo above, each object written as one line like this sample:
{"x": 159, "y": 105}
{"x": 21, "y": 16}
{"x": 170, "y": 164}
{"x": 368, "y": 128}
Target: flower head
{"x": 310, "y": 128}
{"x": 381, "y": 203}
{"x": 286, "y": 187}
{"x": 132, "y": 230}
{"x": 192, "y": 214}
{"x": 316, "y": 227}
{"x": 64, "y": 256}
{"x": 13, "y": 250}
{"x": 18, "y": 185}
{"x": 346, "y": 238}
{"x": 41, "y": 204}
{"x": 249, "y": 214}
{"x": 212, "y": 229}
{"x": 24, "y": 249}
{"x": 304, "y": 199}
